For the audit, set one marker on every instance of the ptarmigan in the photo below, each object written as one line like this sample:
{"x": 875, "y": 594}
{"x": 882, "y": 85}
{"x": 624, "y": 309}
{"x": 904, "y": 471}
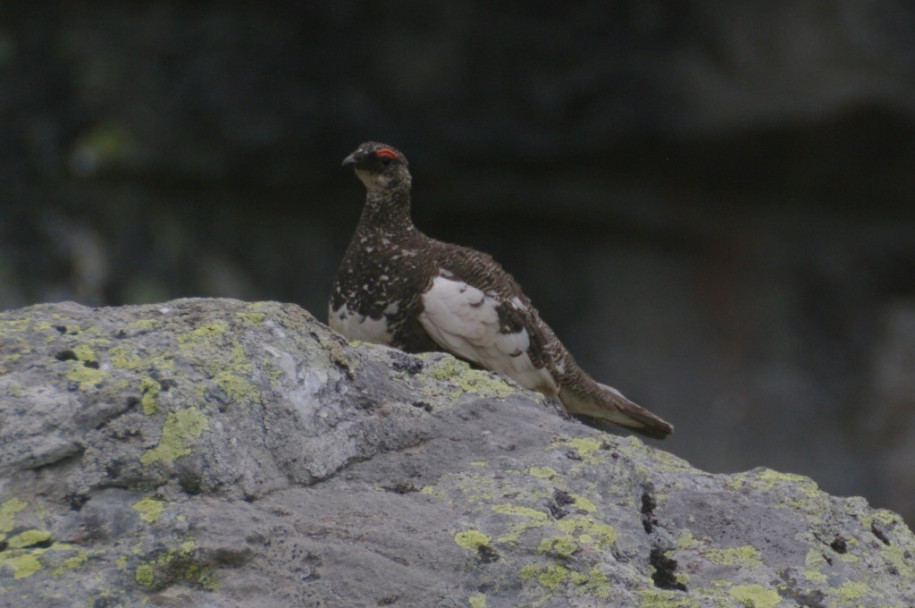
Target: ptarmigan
{"x": 397, "y": 286}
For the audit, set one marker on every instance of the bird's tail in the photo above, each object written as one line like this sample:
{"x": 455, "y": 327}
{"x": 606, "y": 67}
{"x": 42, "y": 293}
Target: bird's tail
{"x": 592, "y": 399}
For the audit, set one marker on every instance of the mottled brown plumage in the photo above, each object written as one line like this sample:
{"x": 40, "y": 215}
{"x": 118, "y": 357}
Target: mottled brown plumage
{"x": 397, "y": 286}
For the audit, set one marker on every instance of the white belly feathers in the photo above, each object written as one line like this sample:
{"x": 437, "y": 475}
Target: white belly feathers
{"x": 360, "y": 327}
{"x": 464, "y": 320}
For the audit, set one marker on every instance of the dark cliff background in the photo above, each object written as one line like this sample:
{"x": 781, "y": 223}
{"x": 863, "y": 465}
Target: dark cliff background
{"x": 710, "y": 202}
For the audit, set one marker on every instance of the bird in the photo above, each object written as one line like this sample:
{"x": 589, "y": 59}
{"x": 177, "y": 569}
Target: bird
{"x": 398, "y": 287}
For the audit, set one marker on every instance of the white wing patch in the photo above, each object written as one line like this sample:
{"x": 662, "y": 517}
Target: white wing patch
{"x": 360, "y": 327}
{"x": 463, "y": 320}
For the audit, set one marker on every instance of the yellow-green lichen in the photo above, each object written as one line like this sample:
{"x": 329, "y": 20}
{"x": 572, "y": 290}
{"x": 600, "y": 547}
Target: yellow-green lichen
{"x": 146, "y": 324}
{"x": 771, "y": 478}
{"x": 597, "y": 584}
{"x": 590, "y": 450}
{"x": 528, "y": 512}
{"x": 206, "y": 578}
{"x": 124, "y": 357}
{"x": 213, "y": 354}
{"x": 797, "y": 492}
{"x": 28, "y": 538}
{"x": 432, "y": 491}
{"x": 18, "y": 326}
{"x": 667, "y": 460}
{"x": 238, "y": 358}
{"x": 588, "y": 531}
{"x": 23, "y": 563}
{"x": 478, "y": 463}
{"x": 202, "y": 576}
{"x": 149, "y": 389}
{"x": 469, "y": 380}
{"x": 176, "y": 563}
{"x": 237, "y": 388}
{"x": 848, "y": 558}
{"x": 71, "y": 563}
{"x": 852, "y": 590}
{"x": 580, "y": 502}
{"x": 203, "y": 334}
{"x": 149, "y": 509}
{"x": 13, "y": 388}
{"x": 887, "y": 517}
{"x": 477, "y": 600}
{"x": 273, "y": 373}
{"x": 658, "y": 598}
{"x": 23, "y": 550}
{"x": 686, "y": 540}
{"x": 84, "y": 352}
{"x": 542, "y": 472}
{"x": 900, "y": 558}
{"x": 755, "y": 596}
{"x": 550, "y": 576}
{"x": 180, "y": 430}
{"x": 815, "y": 563}
{"x": 559, "y": 546}
{"x": 121, "y": 562}
{"x": 745, "y": 556}
{"x": 475, "y": 488}
{"x": 577, "y": 577}
{"x": 252, "y": 318}
{"x": 471, "y": 540}
{"x": 9, "y": 509}
{"x": 225, "y": 362}
{"x": 532, "y": 519}
{"x": 87, "y": 377}
{"x": 145, "y": 575}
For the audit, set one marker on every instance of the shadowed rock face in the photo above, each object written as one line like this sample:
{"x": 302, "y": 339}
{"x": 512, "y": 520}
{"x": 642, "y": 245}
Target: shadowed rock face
{"x": 220, "y": 453}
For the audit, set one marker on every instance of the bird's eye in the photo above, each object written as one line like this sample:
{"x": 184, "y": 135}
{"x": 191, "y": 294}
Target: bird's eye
{"x": 385, "y": 156}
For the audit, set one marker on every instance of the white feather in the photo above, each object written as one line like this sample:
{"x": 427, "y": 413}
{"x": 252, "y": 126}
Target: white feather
{"x": 463, "y": 320}
{"x": 359, "y": 327}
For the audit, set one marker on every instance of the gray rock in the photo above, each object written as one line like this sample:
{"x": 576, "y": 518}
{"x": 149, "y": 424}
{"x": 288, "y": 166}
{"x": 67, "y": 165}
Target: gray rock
{"x": 224, "y": 454}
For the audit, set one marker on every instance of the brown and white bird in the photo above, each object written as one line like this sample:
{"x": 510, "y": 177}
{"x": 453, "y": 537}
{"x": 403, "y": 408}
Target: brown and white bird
{"x": 397, "y": 286}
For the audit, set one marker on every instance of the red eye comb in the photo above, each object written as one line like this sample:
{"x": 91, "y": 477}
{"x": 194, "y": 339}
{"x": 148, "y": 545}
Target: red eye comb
{"x": 386, "y": 153}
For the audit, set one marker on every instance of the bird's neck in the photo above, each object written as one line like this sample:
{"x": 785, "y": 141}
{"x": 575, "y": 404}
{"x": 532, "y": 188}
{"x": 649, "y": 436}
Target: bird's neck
{"x": 387, "y": 212}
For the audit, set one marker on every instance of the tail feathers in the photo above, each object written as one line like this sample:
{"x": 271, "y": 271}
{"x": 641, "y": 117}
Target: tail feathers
{"x": 602, "y": 402}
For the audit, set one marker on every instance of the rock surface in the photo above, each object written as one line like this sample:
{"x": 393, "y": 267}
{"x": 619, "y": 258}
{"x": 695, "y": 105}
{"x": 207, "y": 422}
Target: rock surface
{"x": 224, "y": 454}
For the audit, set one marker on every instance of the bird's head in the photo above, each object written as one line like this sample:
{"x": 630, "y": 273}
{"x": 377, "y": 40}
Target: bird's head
{"x": 379, "y": 166}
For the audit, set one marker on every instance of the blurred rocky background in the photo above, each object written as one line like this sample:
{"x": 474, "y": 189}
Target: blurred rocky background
{"x": 710, "y": 202}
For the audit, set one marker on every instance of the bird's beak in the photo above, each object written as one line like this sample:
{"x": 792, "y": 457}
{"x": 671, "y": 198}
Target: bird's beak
{"x": 350, "y": 160}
